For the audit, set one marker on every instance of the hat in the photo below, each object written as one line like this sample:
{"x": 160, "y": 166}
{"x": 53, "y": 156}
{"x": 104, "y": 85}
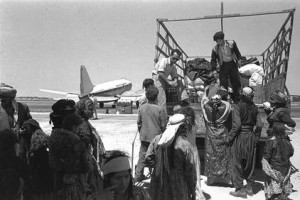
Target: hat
{"x": 218, "y": 35}
{"x": 248, "y": 91}
{"x": 276, "y": 98}
{"x": 63, "y": 105}
{"x": 168, "y": 136}
{"x": 32, "y": 122}
{"x": 222, "y": 92}
{"x": 7, "y": 91}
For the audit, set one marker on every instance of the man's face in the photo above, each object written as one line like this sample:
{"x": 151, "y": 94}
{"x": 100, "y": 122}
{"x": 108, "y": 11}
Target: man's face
{"x": 220, "y": 42}
{"x": 175, "y": 57}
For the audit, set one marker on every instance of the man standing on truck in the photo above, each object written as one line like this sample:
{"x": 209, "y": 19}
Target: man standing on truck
{"x": 163, "y": 68}
{"x": 227, "y": 55}
{"x": 243, "y": 138}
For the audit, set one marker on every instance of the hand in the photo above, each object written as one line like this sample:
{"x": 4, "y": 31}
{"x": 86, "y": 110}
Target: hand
{"x": 173, "y": 83}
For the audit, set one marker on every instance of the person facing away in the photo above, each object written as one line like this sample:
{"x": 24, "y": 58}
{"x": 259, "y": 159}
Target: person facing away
{"x": 148, "y": 82}
{"x": 243, "y": 138}
{"x": 152, "y": 121}
{"x": 163, "y": 68}
{"x": 226, "y": 54}
{"x": 276, "y": 164}
{"x": 172, "y": 156}
{"x": 118, "y": 180}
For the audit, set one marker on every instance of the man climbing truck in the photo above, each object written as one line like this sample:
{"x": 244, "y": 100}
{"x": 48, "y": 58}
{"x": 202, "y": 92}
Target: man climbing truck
{"x": 273, "y": 72}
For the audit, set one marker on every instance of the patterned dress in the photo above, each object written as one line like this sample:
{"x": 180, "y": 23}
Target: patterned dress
{"x": 217, "y": 154}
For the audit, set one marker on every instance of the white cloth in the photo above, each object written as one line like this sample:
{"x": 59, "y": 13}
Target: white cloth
{"x": 168, "y": 136}
{"x": 116, "y": 165}
{"x": 249, "y": 69}
{"x": 255, "y": 79}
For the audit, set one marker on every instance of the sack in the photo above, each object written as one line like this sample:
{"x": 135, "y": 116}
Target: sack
{"x": 7, "y": 91}
{"x": 249, "y": 69}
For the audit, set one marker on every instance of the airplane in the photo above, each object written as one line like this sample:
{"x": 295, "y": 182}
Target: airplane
{"x": 104, "y": 92}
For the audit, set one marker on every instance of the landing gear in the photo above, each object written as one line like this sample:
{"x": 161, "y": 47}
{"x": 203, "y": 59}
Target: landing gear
{"x": 137, "y": 104}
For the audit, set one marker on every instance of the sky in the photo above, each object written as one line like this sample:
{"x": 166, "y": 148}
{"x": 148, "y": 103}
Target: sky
{"x": 44, "y": 43}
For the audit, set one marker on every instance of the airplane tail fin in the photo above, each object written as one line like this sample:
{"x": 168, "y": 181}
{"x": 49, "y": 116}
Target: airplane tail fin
{"x": 86, "y": 85}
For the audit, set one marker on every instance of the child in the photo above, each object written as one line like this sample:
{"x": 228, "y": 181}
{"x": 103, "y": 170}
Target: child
{"x": 276, "y": 164}
{"x": 152, "y": 121}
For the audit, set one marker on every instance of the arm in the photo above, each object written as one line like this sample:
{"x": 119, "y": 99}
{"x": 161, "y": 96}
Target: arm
{"x": 259, "y": 125}
{"x": 139, "y": 120}
{"x": 268, "y": 150}
{"x": 236, "y": 122}
{"x": 286, "y": 118}
{"x": 236, "y": 51}
{"x": 163, "y": 120}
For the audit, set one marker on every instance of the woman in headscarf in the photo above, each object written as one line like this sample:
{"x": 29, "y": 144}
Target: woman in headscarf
{"x": 276, "y": 164}
{"x": 278, "y": 112}
{"x": 216, "y": 114}
{"x": 174, "y": 175}
{"x": 117, "y": 178}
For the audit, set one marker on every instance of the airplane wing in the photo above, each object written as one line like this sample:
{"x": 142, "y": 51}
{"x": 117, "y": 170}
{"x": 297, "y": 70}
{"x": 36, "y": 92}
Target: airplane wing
{"x": 58, "y": 92}
{"x": 106, "y": 99}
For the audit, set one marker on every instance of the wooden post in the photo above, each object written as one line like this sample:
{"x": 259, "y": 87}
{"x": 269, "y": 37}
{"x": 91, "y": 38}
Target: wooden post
{"x": 222, "y": 12}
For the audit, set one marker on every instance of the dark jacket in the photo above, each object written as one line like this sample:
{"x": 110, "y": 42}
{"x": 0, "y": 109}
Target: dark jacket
{"x": 234, "y": 50}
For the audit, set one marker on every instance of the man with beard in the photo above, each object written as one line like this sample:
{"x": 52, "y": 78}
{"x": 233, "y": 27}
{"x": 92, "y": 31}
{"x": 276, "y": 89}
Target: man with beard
{"x": 243, "y": 140}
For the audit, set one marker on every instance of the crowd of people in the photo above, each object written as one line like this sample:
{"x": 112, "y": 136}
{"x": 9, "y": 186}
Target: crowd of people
{"x": 72, "y": 164}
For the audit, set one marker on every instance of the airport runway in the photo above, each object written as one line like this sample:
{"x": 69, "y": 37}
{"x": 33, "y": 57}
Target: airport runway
{"x": 118, "y": 132}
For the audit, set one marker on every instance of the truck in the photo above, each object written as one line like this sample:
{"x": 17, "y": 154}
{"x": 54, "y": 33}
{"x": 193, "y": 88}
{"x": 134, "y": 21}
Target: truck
{"x": 274, "y": 60}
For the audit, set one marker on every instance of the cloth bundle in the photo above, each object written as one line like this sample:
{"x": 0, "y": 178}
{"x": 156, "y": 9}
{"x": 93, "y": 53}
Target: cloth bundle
{"x": 254, "y": 72}
{"x": 197, "y": 73}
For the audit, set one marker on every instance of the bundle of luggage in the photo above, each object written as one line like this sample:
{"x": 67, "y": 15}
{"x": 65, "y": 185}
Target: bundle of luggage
{"x": 7, "y": 91}
{"x": 198, "y": 72}
{"x": 251, "y": 73}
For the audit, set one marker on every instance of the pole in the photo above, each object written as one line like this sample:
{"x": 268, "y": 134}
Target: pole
{"x": 222, "y": 12}
{"x": 132, "y": 155}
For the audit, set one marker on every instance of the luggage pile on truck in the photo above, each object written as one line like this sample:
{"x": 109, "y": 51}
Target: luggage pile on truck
{"x": 265, "y": 72}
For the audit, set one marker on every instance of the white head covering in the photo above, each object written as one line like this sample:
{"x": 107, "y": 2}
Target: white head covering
{"x": 116, "y": 165}
{"x": 168, "y": 136}
{"x": 248, "y": 91}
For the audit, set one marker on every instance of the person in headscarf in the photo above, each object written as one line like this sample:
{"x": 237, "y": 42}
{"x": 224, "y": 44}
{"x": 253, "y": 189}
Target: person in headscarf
{"x": 217, "y": 116}
{"x": 40, "y": 174}
{"x": 276, "y": 164}
{"x": 227, "y": 55}
{"x": 65, "y": 155}
{"x": 84, "y": 108}
{"x": 277, "y": 112}
{"x": 172, "y": 156}
{"x": 189, "y": 112}
{"x": 246, "y": 128}
{"x": 117, "y": 178}
{"x": 12, "y": 115}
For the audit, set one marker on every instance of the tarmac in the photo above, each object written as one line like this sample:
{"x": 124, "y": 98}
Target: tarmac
{"x": 118, "y": 131}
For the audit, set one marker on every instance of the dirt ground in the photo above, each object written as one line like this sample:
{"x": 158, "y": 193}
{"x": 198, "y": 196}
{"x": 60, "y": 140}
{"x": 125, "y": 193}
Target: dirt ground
{"x": 118, "y": 132}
